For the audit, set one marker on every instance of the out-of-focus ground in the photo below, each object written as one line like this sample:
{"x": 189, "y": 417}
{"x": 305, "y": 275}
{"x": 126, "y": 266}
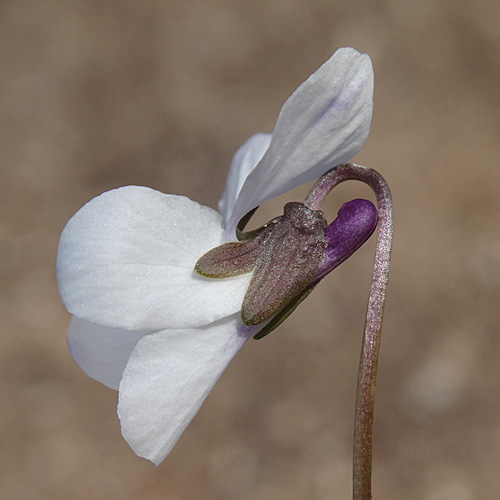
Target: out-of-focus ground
{"x": 96, "y": 95}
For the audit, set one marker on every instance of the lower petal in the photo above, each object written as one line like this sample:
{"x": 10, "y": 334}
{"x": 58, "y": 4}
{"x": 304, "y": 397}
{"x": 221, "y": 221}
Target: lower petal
{"x": 169, "y": 375}
{"x": 102, "y": 352}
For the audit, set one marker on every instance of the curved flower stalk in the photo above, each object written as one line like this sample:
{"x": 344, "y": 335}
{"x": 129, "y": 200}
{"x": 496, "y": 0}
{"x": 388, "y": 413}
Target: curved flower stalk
{"x": 367, "y": 372}
{"x": 144, "y": 323}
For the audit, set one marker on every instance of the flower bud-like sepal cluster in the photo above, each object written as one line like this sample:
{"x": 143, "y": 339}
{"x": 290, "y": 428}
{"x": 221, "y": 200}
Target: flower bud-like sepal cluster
{"x": 288, "y": 256}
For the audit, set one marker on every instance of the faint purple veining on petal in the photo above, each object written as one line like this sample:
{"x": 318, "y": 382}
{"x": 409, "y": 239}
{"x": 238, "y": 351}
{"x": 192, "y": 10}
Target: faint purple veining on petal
{"x": 354, "y": 224}
{"x": 245, "y": 331}
{"x": 349, "y": 94}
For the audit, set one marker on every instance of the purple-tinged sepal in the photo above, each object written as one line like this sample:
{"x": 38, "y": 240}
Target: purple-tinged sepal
{"x": 233, "y": 258}
{"x": 283, "y": 314}
{"x": 284, "y": 256}
{"x": 286, "y": 264}
{"x": 355, "y": 223}
{"x": 288, "y": 257}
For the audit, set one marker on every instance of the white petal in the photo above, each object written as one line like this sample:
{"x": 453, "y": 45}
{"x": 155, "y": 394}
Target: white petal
{"x": 244, "y": 161}
{"x": 126, "y": 260}
{"x": 325, "y": 122}
{"x": 102, "y": 352}
{"x": 169, "y": 375}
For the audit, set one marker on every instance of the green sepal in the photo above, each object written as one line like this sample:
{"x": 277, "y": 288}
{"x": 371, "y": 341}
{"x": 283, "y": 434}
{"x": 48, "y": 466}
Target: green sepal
{"x": 283, "y": 314}
{"x": 246, "y": 235}
{"x": 243, "y": 222}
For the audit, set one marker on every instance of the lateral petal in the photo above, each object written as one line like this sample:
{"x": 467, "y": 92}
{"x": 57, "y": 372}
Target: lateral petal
{"x": 324, "y": 123}
{"x": 244, "y": 161}
{"x": 168, "y": 376}
{"x": 126, "y": 260}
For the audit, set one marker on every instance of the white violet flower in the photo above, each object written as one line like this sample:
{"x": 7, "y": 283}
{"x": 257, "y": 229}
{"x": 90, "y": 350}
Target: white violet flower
{"x": 144, "y": 322}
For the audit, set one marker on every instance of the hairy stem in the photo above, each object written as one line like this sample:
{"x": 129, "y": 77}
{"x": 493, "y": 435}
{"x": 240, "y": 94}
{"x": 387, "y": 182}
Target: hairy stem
{"x": 367, "y": 374}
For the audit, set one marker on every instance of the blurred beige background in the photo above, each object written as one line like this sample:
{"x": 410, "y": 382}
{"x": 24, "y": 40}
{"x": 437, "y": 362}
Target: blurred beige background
{"x": 96, "y": 95}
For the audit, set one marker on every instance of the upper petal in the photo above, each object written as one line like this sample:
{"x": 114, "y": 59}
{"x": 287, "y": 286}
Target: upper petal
{"x": 101, "y": 352}
{"x": 169, "y": 375}
{"x": 244, "y": 161}
{"x": 126, "y": 260}
{"x": 324, "y": 123}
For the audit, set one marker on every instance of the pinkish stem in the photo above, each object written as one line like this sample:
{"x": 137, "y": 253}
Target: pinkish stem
{"x": 367, "y": 374}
